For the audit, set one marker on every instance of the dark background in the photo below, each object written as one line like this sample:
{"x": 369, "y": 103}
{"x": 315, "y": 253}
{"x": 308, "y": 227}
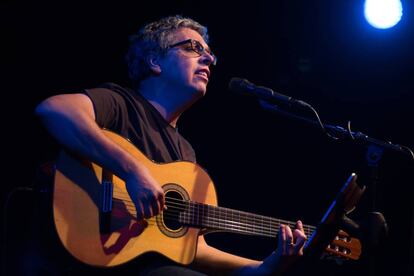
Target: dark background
{"x": 322, "y": 52}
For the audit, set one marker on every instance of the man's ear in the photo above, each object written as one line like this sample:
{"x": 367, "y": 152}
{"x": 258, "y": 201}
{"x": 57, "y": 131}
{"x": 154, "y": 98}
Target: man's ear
{"x": 153, "y": 62}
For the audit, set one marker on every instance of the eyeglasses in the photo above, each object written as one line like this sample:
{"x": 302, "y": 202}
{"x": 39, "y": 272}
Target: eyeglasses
{"x": 195, "y": 47}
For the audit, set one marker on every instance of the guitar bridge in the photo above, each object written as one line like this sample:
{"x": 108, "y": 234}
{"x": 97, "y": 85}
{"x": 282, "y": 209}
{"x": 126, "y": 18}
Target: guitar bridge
{"x": 106, "y": 208}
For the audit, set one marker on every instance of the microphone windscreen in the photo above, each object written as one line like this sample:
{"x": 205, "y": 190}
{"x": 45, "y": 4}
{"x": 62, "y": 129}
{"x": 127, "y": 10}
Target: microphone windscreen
{"x": 239, "y": 85}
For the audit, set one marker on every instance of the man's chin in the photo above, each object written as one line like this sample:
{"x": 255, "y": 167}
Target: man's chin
{"x": 198, "y": 89}
{"x": 201, "y": 89}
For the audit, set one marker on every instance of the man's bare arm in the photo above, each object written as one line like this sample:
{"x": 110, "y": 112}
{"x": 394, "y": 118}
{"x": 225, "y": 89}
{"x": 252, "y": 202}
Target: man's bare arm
{"x": 70, "y": 118}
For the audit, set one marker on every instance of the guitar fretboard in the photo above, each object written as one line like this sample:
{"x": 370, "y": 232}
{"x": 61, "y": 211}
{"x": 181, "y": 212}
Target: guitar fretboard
{"x": 224, "y": 219}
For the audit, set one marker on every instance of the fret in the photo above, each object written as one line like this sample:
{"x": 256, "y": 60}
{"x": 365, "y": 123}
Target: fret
{"x": 225, "y": 220}
{"x": 239, "y": 217}
{"x": 219, "y": 218}
{"x": 201, "y": 213}
{"x": 208, "y": 217}
{"x": 249, "y": 224}
{"x": 270, "y": 228}
{"x": 232, "y": 218}
{"x": 197, "y": 215}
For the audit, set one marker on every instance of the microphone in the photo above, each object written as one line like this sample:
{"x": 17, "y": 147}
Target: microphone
{"x": 243, "y": 86}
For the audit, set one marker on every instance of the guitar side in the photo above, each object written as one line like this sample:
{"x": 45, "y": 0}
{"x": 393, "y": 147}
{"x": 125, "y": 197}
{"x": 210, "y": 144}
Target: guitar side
{"x": 77, "y": 207}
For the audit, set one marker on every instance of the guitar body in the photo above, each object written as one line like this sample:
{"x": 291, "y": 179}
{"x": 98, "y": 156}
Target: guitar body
{"x": 95, "y": 217}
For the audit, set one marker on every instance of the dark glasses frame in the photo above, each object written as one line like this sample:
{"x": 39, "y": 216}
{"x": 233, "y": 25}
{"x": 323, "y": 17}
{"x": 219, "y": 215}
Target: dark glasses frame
{"x": 196, "y": 47}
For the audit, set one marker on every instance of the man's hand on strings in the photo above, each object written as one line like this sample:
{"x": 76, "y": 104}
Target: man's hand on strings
{"x": 289, "y": 250}
{"x": 146, "y": 194}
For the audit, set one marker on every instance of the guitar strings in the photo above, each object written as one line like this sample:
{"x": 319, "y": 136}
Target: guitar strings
{"x": 217, "y": 222}
{"x": 233, "y": 221}
{"x": 243, "y": 229}
{"x": 253, "y": 217}
{"x": 256, "y": 218}
{"x": 220, "y": 210}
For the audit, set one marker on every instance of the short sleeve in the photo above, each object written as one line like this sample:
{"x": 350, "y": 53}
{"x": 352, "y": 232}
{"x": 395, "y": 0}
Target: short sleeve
{"x": 109, "y": 107}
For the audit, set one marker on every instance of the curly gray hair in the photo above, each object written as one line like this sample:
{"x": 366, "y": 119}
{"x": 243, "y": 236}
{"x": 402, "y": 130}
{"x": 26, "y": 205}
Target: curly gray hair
{"x": 154, "y": 38}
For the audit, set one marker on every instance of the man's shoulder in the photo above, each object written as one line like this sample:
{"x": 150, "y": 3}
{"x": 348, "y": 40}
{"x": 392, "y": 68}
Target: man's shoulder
{"x": 109, "y": 89}
{"x": 115, "y": 87}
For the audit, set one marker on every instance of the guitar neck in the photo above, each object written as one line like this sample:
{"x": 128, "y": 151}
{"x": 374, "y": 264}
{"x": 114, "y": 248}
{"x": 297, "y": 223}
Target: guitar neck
{"x": 224, "y": 219}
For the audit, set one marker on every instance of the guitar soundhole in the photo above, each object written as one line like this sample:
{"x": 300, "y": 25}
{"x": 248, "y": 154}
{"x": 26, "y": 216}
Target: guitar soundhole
{"x": 175, "y": 206}
{"x": 176, "y": 198}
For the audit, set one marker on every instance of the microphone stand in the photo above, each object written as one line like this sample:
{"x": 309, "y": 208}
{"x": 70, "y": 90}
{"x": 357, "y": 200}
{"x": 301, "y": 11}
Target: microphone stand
{"x": 373, "y": 156}
{"x": 375, "y": 150}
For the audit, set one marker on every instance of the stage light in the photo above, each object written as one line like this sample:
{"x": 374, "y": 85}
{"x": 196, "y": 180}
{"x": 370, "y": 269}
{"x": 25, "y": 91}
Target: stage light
{"x": 383, "y": 14}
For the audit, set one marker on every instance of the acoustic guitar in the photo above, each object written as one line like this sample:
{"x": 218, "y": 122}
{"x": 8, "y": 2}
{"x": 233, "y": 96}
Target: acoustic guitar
{"x": 95, "y": 217}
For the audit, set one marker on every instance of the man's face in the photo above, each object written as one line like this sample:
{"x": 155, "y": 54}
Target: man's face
{"x": 184, "y": 68}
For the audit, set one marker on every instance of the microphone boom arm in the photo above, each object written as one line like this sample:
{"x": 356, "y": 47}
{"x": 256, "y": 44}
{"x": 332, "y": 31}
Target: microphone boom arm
{"x": 338, "y": 132}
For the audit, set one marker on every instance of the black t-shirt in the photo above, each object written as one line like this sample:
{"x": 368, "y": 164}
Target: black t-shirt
{"x": 133, "y": 117}
{"x": 129, "y": 114}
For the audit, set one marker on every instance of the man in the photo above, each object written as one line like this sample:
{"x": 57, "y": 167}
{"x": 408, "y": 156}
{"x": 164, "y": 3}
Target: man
{"x": 169, "y": 64}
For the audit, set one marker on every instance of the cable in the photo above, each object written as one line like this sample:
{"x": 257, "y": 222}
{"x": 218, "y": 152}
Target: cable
{"x": 321, "y": 124}
{"x": 408, "y": 150}
{"x": 350, "y": 131}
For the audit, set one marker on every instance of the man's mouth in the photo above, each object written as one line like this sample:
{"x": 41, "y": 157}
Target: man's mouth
{"x": 204, "y": 73}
